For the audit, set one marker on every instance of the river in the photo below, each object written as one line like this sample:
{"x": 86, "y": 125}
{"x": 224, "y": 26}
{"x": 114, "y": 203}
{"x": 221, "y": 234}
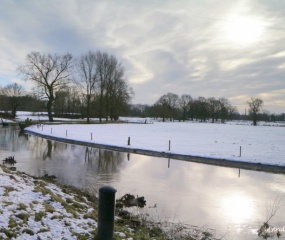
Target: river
{"x": 234, "y": 202}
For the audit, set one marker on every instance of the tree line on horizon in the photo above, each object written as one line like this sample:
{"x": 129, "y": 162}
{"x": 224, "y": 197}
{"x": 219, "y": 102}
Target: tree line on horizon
{"x": 170, "y": 107}
{"x": 94, "y": 85}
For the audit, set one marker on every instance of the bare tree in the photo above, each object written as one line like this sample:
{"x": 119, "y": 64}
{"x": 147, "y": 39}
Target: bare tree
{"x": 167, "y": 105}
{"x": 113, "y": 91}
{"x": 255, "y": 106}
{"x": 201, "y": 108}
{"x": 68, "y": 103}
{"x": 214, "y": 108}
{"x": 13, "y": 93}
{"x": 49, "y": 72}
{"x": 121, "y": 95}
{"x": 87, "y": 70}
{"x": 104, "y": 70}
{"x": 185, "y": 103}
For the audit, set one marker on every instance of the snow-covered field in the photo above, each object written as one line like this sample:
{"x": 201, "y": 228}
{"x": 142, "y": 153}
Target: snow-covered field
{"x": 259, "y": 144}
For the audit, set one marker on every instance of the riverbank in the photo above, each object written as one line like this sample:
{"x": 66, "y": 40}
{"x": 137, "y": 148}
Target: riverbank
{"x": 33, "y": 208}
{"x": 258, "y": 149}
{"x": 39, "y": 208}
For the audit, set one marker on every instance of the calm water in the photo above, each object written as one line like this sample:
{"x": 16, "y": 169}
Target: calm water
{"x": 233, "y": 202}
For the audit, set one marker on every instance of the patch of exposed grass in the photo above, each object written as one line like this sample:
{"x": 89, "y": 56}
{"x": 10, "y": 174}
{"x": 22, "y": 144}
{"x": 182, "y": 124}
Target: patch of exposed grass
{"x": 78, "y": 206}
{"x": 23, "y": 216}
{"x": 56, "y": 198}
{"x": 28, "y": 231}
{"x": 81, "y": 236}
{"x": 93, "y": 215}
{"x": 56, "y": 217}
{"x": 5, "y": 169}
{"x": 79, "y": 193}
{"x": 40, "y": 186}
{"x": 9, "y": 233}
{"x": 69, "y": 200}
{"x": 8, "y": 203}
{"x": 43, "y": 230}
{"x": 8, "y": 189}
{"x": 12, "y": 223}
{"x": 79, "y": 198}
{"x": 39, "y": 216}
{"x": 70, "y": 209}
{"x": 75, "y": 203}
{"x": 49, "y": 208}
{"x": 22, "y": 206}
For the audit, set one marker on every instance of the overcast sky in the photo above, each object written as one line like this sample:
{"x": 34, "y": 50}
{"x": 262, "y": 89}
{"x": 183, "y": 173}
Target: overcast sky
{"x": 209, "y": 48}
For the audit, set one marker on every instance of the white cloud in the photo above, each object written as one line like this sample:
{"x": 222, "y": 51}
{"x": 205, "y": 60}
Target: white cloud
{"x": 166, "y": 46}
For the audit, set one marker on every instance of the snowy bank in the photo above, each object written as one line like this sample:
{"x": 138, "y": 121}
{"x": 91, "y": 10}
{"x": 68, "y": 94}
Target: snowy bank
{"x": 245, "y": 144}
{"x": 34, "y": 209}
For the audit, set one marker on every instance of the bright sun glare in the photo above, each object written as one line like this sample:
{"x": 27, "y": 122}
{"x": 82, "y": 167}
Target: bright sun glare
{"x": 243, "y": 30}
{"x": 237, "y": 208}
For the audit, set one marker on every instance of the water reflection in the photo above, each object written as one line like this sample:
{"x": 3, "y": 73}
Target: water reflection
{"x": 238, "y": 208}
{"x": 233, "y": 201}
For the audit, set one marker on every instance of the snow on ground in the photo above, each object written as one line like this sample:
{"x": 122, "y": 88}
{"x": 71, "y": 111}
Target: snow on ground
{"x": 41, "y": 116}
{"x": 34, "y": 209}
{"x": 259, "y": 144}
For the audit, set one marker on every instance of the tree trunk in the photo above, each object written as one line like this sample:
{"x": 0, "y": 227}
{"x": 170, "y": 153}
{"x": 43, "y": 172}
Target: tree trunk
{"x": 49, "y": 110}
{"x": 14, "y": 112}
{"x": 88, "y": 109}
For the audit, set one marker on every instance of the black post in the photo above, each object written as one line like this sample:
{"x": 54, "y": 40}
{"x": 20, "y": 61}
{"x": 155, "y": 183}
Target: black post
{"x": 106, "y": 214}
{"x": 129, "y": 141}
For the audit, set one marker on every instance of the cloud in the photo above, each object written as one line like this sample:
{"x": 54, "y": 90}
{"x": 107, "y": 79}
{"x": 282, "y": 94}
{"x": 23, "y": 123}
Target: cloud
{"x": 165, "y": 46}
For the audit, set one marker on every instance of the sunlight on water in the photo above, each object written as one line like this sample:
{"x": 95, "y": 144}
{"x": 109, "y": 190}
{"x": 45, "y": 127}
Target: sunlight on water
{"x": 238, "y": 208}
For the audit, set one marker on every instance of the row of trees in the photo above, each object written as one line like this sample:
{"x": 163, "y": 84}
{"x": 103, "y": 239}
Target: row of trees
{"x": 93, "y": 83}
{"x": 171, "y": 106}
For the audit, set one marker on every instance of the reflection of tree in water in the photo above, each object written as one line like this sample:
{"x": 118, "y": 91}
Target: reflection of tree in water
{"x": 10, "y": 140}
{"x": 107, "y": 162}
{"x": 71, "y": 164}
{"x": 22, "y": 134}
{"x": 86, "y": 159}
{"x": 48, "y": 152}
{"x": 104, "y": 164}
{"x": 46, "y": 149}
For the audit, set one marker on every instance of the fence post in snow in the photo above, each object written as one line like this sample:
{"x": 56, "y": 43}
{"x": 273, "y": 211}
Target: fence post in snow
{"x": 240, "y": 151}
{"x": 66, "y": 133}
{"x": 42, "y": 127}
{"x": 50, "y": 130}
{"x": 106, "y": 213}
{"x": 91, "y": 136}
{"x": 169, "y": 145}
{"x": 129, "y": 141}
